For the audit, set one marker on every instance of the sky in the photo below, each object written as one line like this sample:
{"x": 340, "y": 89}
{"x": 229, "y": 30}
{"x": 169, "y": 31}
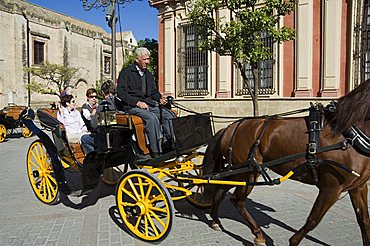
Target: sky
{"x": 136, "y": 16}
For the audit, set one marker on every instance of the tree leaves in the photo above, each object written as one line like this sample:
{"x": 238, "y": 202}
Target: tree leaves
{"x": 55, "y": 78}
{"x": 240, "y": 35}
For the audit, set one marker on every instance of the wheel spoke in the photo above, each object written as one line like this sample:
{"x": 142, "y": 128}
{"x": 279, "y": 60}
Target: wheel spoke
{"x": 141, "y": 187}
{"x": 162, "y": 210}
{"x": 132, "y": 185}
{"x": 34, "y": 164}
{"x": 127, "y": 204}
{"x": 146, "y": 226}
{"x": 152, "y": 224}
{"x": 157, "y": 198}
{"x": 52, "y": 179}
{"x": 148, "y": 191}
{"x": 138, "y": 222}
{"x": 44, "y": 186}
{"x": 36, "y": 180}
{"x": 129, "y": 194}
{"x": 157, "y": 218}
{"x": 34, "y": 155}
{"x": 48, "y": 189}
{"x": 50, "y": 185}
{"x": 41, "y": 187}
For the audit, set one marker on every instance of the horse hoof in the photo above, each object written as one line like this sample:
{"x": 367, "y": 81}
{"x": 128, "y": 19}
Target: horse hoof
{"x": 216, "y": 226}
{"x": 259, "y": 242}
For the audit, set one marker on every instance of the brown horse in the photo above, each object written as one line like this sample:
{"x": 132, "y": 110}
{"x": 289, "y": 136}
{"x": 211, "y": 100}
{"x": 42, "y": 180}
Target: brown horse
{"x": 282, "y": 137}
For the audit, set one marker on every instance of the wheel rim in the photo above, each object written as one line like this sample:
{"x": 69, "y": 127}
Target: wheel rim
{"x": 41, "y": 173}
{"x": 26, "y": 132}
{"x": 196, "y": 198}
{"x": 2, "y": 133}
{"x": 144, "y": 206}
{"x": 112, "y": 175}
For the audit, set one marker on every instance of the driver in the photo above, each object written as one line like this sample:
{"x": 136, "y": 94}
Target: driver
{"x": 138, "y": 92}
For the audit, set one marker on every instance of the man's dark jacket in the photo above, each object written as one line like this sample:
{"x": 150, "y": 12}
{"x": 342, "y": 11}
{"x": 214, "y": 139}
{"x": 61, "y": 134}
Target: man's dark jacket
{"x": 129, "y": 88}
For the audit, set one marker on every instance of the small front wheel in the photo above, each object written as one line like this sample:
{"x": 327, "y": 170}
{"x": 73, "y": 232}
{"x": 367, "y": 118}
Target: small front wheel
{"x": 144, "y": 205}
{"x": 2, "y": 132}
{"x": 41, "y": 174}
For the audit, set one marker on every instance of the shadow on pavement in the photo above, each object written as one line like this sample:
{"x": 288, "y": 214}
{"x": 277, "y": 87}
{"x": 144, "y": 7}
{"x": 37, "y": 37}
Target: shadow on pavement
{"x": 114, "y": 214}
{"x": 101, "y": 190}
{"x": 228, "y": 211}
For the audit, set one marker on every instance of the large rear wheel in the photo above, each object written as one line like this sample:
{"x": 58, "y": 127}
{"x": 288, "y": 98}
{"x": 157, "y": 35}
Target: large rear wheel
{"x": 2, "y": 132}
{"x": 112, "y": 175}
{"x": 144, "y": 205}
{"x": 197, "y": 197}
{"x": 41, "y": 174}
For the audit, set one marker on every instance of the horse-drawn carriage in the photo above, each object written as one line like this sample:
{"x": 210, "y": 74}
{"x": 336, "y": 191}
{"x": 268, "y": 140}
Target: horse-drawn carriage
{"x": 320, "y": 149}
{"x": 10, "y": 121}
{"x": 143, "y": 197}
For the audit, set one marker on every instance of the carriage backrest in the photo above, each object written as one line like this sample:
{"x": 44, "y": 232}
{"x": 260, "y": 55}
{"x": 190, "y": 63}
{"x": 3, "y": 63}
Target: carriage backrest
{"x": 48, "y": 118}
{"x": 135, "y": 122}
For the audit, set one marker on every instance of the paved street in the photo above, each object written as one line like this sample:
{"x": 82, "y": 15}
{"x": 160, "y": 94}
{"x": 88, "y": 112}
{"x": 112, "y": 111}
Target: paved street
{"x": 280, "y": 210}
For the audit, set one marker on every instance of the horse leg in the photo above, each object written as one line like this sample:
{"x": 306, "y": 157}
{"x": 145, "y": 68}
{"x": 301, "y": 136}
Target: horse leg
{"x": 238, "y": 200}
{"x": 360, "y": 205}
{"x": 220, "y": 195}
{"x": 326, "y": 198}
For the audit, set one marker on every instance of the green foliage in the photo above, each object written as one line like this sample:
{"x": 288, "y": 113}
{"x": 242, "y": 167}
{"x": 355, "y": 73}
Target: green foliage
{"x": 152, "y": 46}
{"x": 240, "y": 37}
{"x": 55, "y": 78}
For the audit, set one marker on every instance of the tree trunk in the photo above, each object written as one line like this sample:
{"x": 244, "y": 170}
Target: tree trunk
{"x": 257, "y": 82}
{"x": 253, "y": 90}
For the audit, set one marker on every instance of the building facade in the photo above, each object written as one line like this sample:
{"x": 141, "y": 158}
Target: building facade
{"x": 32, "y": 35}
{"x": 329, "y": 56}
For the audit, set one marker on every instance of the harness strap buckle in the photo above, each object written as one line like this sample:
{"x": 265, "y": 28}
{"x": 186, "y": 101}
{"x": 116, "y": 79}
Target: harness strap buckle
{"x": 312, "y": 148}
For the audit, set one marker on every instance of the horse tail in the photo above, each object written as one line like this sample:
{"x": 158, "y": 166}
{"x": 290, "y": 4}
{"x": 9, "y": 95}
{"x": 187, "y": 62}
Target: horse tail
{"x": 212, "y": 163}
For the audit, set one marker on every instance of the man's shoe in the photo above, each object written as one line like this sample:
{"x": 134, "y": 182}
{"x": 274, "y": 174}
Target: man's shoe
{"x": 141, "y": 158}
{"x": 155, "y": 155}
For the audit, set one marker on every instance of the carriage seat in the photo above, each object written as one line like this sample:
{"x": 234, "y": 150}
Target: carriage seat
{"x": 48, "y": 119}
{"x": 15, "y": 111}
{"x": 136, "y": 123}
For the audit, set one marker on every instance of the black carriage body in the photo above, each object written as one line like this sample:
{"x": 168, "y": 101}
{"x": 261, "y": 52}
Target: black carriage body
{"x": 115, "y": 148}
{"x": 192, "y": 131}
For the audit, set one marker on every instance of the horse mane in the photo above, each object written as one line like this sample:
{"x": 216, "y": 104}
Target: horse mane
{"x": 351, "y": 109}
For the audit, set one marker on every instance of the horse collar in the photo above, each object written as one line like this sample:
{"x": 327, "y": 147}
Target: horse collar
{"x": 359, "y": 140}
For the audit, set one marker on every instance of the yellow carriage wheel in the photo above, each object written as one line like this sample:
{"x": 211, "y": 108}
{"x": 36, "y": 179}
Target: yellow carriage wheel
{"x": 145, "y": 205}
{"x": 41, "y": 174}
{"x": 26, "y": 132}
{"x": 112, "y": 175}
{"x": 197, "y": 197}
{"x": 2, "y": 133}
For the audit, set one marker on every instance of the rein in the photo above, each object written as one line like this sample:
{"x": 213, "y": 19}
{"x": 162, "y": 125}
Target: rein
{"x": 293, "y": 112}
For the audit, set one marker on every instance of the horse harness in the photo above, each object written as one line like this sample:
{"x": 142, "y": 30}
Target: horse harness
{"x": 314, "y": 121}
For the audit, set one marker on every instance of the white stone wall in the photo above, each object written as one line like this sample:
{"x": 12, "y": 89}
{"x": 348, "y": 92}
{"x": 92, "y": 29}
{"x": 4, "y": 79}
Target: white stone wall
{"x": 86, "y": 45}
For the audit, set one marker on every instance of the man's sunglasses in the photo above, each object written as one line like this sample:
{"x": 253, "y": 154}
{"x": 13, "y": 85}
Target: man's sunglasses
{"x": 93, "y": 96}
